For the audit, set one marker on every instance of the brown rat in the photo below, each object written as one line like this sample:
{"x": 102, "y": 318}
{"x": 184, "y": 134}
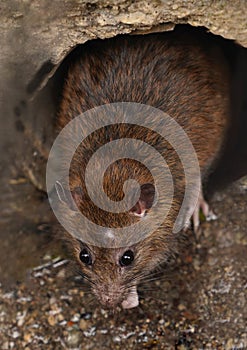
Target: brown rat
{"x": 183, "y": 73}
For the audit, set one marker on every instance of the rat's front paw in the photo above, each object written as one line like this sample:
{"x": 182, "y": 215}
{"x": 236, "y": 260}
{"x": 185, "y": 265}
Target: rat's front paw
{"x": 132, "y": 299}
{"x": 202, "y": 207}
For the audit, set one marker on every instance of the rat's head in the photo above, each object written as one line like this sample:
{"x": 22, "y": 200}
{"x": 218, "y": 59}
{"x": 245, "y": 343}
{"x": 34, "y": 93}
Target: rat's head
{"x": 114, "y": 273}
{"x": 111, "y": 272}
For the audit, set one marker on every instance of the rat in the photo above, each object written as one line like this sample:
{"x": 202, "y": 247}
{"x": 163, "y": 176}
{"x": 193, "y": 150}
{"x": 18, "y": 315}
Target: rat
{"x": 183, "y": 73}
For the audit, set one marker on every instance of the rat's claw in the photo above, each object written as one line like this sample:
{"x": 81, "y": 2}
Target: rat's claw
{"x": 204, "y": 207}
{"x": 132, "y": 299}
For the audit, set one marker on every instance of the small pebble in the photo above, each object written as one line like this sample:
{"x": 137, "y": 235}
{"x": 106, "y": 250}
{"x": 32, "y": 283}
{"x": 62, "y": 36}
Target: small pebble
{"x": 27, "y": 337}
{"x": 83, "y": 325}
{"x": 51, "y": 320}
{"x": 181, "y": 307}
{"x": 86, "y": 315}
{"x": 16, "y": 334}
{"x": 117, "y": 339}
{"x": 74, "y": 338}
{"x": 6, "y": 346}
{"x": 60, "y": 317}
{"x": 75, "y": 318}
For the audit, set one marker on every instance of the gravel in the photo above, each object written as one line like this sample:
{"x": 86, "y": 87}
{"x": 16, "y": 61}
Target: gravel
{"x": 198, "y": 303}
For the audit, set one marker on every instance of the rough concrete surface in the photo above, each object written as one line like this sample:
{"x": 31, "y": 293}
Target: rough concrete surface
{"x": 37, "y": 35}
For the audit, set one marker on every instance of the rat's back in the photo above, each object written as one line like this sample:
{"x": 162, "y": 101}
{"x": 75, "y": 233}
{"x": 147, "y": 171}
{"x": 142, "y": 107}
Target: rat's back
{"x": 183, "y": 73}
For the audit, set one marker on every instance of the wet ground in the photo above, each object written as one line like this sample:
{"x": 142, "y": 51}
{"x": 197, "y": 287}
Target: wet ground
{"x": 200, "y": 303}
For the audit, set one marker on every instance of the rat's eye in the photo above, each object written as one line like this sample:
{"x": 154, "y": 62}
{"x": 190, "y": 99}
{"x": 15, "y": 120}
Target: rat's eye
{"x": 85, "y": 257}
{"x": 127, "y": 258}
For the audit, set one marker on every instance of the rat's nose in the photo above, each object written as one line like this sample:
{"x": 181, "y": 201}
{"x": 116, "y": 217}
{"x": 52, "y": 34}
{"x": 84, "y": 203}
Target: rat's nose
{"x": 109, "y": 300}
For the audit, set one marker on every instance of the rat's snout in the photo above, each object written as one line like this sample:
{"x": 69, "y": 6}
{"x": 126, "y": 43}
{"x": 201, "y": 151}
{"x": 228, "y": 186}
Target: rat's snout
{"x": 114, "y": 297}
{"x": 109, "y": 298}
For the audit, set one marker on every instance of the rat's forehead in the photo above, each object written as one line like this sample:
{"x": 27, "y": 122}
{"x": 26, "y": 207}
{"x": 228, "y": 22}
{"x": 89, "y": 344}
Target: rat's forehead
{"x": 109, "y": 234}
{"x": 116, "y": 244}
{"x": 111, "y": 245}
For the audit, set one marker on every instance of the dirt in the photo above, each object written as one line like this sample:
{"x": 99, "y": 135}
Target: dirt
{"x": 199, "y": 302}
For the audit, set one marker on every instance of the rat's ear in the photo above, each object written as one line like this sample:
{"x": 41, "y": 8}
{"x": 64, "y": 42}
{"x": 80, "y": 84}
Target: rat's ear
{"x": 63, "y": 196}
{"x": 145, "y": 201}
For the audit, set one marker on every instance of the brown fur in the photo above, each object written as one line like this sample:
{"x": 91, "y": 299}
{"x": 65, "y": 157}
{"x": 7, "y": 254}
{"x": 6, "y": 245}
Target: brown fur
{"x": 182, "y": 73}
